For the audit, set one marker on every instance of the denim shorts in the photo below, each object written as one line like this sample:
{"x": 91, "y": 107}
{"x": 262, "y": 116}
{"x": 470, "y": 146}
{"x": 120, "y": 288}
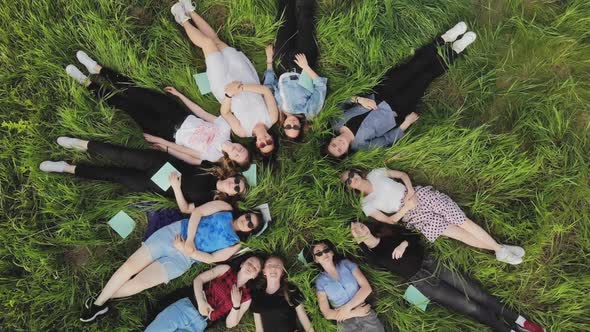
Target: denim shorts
{"x": 161, "y": 247}
{"x": 179, "y": 316}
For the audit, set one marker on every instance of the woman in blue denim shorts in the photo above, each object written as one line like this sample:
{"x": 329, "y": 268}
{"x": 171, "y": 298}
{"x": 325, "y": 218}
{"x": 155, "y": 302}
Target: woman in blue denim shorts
{"x": 210, "y": 235}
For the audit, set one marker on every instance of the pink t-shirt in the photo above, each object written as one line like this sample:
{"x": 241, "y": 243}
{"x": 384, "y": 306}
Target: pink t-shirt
{"x": 206, "y": 138}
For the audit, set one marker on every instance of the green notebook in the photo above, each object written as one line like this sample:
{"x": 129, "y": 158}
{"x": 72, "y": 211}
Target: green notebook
{"x": 162, "y": 175}
{"x": 122, "y": 224}
{"x": 250, "y": 175}
{"x": 202, "y": 83}
{"x": 306, "y": 81}
{"x": 415, "y": 297}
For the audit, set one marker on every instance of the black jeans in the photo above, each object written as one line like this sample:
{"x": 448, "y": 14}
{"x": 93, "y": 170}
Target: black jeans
{"x": 156, "y": 113}
{"x": 297, "y": 34}
{"x": 134, "y": 170}
{"x": 460, "y": 293}
{"x": 403, "y": 86}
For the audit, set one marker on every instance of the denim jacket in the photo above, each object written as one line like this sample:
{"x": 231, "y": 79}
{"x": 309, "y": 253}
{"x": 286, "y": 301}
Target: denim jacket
{"x": 378, "y": 129}
{"x": 293, "y": 98}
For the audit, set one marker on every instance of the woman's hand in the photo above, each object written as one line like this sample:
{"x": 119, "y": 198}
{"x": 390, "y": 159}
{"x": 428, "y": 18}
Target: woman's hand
{"x": 410, "y": 202}
{"x": 172, "y": 90}
{"x": 153, "y": 139}
{"x": 343, "y": 313}
{"x": 179, "y": 243}
{"x": 205, "y": 309}
{"x": 270, "y": 52}
{"x": 301, "y": 61}
{"x": 361, "y": 311}
{"x": 232, "y": 88}
{"x": 236, "y": 296}
{"x": 398, "y": 252}
{"x": 174, "y": 179}
{"x": 367, "y": 103}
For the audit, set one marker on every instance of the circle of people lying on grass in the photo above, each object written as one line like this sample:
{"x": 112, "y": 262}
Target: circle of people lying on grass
{"x": 199, "y": 146}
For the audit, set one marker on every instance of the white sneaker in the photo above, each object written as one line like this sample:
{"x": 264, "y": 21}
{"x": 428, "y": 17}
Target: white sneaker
{"x": 70, "y": 143}
{"x": 515, "y": 250}
{"x": 504, "y": 255}
{"x": 53, "y": 166}
{"x": 454, "y": 32}
{"x": 466, "y": 40}
{"x": 188, "y": 6}
{"x": 179, "y": 15}
{"x": 76, "y": 74}
{"x": 87, "y": 62}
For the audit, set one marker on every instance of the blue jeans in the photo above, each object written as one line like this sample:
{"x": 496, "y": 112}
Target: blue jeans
{"x": 179, "y": 316}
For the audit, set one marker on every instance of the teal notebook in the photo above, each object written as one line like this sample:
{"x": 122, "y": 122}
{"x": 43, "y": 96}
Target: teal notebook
{"x": 202, "y": 82}
{"x": 306, "y": 81}
{"x": 122, "y": 224}
{"x": 250, "y": 175}
{"x": 162, "y": 175}
{"x": 415, "y": 297}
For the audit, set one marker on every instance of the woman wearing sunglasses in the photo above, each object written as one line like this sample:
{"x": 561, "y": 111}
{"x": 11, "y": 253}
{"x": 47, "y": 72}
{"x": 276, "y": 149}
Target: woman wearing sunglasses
{"x": 248, "y": 107}
{"x": 135, "y": 168}
{"x": 278, "y": 304}
{"x": 401, "y": 253}
{"x": 297, "y": 51}
{"x": 425, "y": 209}
{"x": 342, "y": 290}
{"x": 193, "y": 137}
{"x": 210, "y": 235}
{"x": 221, "y": 292}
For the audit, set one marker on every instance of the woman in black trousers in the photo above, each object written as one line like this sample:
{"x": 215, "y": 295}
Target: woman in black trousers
{"x": 135, "y": 168}
{"x": 400, "y": 252}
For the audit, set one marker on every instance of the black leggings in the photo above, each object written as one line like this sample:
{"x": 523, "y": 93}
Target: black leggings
{"x": 156, "y": 113}
{"x": 297, "y": 34}
{"x": 135, "y": 167}
{"x": 462, "y": 294}
{"x": 403, "y": 86}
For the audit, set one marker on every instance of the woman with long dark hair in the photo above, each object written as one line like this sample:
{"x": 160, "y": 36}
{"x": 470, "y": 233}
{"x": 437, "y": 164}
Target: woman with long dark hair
{"x": 222, "y": 291}
{"x": 195, "y": 185}
{"x": 342, "y": 290}
{"x": 401, "y": 253}
{"x": 423, "y": 208}
{"x": 278, "y": 304}
{"x": 166, "y": 123}
{"x": 211, "y": 235}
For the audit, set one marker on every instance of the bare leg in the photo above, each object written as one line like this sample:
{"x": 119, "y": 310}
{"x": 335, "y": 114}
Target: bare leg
{"x": 134, "y": 264}
{"x": 149, "y": 277}
{"x": 480, "y": 233}
{"x": 200, "y": 39}
{"x": 207, "y": 30}
{"x": 460, "y": 234}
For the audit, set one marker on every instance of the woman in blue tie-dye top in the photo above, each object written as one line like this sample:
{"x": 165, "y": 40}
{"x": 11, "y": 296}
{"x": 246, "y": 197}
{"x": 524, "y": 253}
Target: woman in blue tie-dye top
{"x": 210, "y": 235}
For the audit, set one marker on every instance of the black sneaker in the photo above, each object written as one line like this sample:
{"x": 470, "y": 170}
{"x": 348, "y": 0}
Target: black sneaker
{"x": 92, "y": 311}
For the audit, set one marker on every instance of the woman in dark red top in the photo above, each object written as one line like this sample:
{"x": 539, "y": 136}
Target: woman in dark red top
{"x": 219, "y": 292}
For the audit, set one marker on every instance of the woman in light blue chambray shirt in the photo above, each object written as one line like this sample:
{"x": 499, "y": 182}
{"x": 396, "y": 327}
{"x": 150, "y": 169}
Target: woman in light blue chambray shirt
{"x": 300, "y": 93}
{"x": 342, "y": 290}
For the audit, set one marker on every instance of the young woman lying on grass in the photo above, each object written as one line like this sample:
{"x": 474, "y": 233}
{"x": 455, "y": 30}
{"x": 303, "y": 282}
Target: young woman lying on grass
{"x": 278, "y": 304}
{"x": 193, "y": 187}
{"x": 298, "y": 52}
{"x": 248, "y": 107}
{"x": 222, "y": 291}
{"x": 401, "y": 253}
{"x": 210, "y": 235}
{"x": 381, "y": 119}
{"x": 166, "y": 123}
{"x": 425, "y": 209}
{"x": 342, "y": 290}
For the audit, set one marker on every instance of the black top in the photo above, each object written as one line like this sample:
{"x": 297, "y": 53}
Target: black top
{"x": 276, "y": 313}
{"x": 354, "y": 123}
{"x": 197, "y": 185}
{"x": 407, "y": 265}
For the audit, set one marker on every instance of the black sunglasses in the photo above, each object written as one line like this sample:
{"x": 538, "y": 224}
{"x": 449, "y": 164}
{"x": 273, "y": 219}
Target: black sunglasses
{"x": 264, "y": 144}
{"x": 249, "y": 220}
{"x": 322, "y": 252}
{"x": 351, "y": 175}
{"x": 289, "y": 127}
{"x": 237, "y": 184}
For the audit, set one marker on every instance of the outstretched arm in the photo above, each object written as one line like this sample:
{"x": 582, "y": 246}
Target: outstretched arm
{"x": 303, "y": 318}
{"x": 231, "y": 119}
{"x": 196, "y": 109}
{"x": 178, "y": 151}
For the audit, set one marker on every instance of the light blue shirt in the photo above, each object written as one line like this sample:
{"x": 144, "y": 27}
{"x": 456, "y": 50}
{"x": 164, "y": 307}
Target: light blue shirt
{"x": 340, "y": 291}
{"x": 292, "y": 97}
{"x": 378, "y": 129}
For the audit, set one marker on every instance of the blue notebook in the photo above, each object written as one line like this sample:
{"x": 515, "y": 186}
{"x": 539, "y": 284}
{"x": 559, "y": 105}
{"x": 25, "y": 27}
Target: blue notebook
{"x": 162, "y": 175}
{"x": 122, "y": 224}
{"x": 202, "y": 83}
{"x": 415, "y": 297}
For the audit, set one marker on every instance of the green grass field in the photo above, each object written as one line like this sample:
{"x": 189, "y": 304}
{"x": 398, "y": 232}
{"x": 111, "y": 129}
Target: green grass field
{"x": 505, "y": 133}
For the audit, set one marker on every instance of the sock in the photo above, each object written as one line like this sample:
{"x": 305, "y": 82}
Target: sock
{"x": 520, "y": 320}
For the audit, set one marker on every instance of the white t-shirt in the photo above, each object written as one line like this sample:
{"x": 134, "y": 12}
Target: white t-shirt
{"x": 204, "y": 137}
{"x": 250, "y": 109}
{"x": 387, "y": 195}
